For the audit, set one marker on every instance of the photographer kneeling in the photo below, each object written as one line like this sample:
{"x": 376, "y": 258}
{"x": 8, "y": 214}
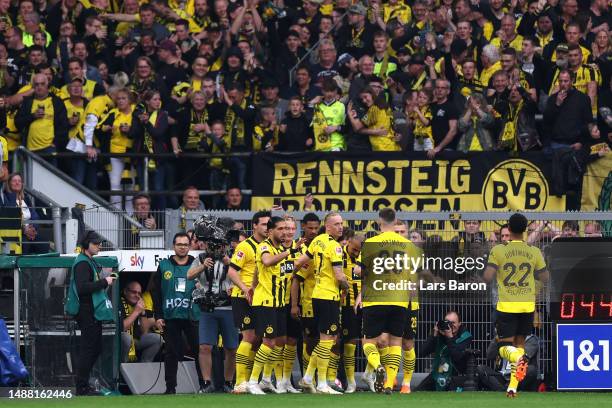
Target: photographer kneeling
{"x": 449, "y": 345}
{"x": 212, "y": 295}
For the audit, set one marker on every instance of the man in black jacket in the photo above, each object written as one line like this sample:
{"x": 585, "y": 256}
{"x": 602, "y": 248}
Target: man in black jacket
{"x": 42, "y": 119}
{"x": 448, "y": 343}
{"x": 88, "y": 318}
{"x": 295, "y": 130}
{"x": 567, "y": 115}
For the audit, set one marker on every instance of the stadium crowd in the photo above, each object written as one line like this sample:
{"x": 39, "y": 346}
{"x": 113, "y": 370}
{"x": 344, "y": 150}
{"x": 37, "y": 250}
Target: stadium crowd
{"x": 174, "y": 77}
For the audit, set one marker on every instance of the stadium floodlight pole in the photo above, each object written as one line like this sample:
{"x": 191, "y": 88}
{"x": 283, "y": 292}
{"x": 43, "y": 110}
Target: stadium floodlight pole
{"x": 314, "y": 47}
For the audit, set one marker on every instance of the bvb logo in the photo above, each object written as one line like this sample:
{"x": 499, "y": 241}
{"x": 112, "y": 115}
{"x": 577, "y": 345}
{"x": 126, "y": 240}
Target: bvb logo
{"x": 345, "y": 332}
{"x": 246, "y": 320}
{"x": 269, "y": 330}
{"x": 515, "y": 184}
{"x": 322, "y": 137}
{"x": 333, "y": 328}
{"x": 167, "y": 275}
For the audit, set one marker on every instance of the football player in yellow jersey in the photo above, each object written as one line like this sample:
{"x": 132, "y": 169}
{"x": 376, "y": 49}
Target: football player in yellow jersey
{"x": 386, "y": 317}
{"x": 289, "y": 341}
{"x": 268, "y": 306}
{"x": 516, "y": 265}
{"x": 326, "y": 253}
{"x": 417, "y": 237}
{"x": 301, "y": 290}
{"x": 351, "y": 318}
{"x": 241, "y": 271}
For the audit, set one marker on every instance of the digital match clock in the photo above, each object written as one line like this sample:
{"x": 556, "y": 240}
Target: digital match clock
{"x": 581, "y": 280}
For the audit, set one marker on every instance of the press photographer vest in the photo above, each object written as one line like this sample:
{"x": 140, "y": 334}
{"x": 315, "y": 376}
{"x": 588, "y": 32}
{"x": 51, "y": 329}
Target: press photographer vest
{"x": 176, "y": 291}
{"x": 103, "y": 308}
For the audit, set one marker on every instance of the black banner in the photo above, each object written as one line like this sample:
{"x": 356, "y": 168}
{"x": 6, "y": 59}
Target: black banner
{"x": 346, "y": 181}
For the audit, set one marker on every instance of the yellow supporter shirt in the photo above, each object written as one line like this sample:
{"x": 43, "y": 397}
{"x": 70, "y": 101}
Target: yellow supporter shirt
{"x": 517, "y": 264}
{"x": 76, "y": 131}
{"x": 119, "y": 142}
{"x": 88, "y": 90}
{"x": 243, "y": 261}
{"x": 487, "y": 73}
{"x": 326, "y": 253}
{"x": 41, "y": 133}
{"x": 517, "y": 43}
{"x": 377, "y": 118}
{"x": 270, "y": 290}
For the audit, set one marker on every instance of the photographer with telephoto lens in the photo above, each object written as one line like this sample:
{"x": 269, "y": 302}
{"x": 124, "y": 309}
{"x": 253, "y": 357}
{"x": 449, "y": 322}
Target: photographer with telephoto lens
{"x": 212, "y": 295}
{"x": 449, "y": 344}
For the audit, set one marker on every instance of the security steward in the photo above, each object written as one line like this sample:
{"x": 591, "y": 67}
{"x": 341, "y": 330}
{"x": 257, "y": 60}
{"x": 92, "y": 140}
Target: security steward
{"x": 175, "y": 311}
{"x": 88, "y": 302}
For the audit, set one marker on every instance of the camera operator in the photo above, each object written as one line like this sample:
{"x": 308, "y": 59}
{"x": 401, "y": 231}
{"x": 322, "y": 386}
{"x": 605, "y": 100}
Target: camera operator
{"x": 211, "y": 268}
{"x": 88, "y": 302}
{"x": 449, "y": 345}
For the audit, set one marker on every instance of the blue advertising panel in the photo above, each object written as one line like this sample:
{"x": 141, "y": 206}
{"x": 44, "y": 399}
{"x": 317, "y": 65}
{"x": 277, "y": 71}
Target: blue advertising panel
{"x": 583, "y": 356}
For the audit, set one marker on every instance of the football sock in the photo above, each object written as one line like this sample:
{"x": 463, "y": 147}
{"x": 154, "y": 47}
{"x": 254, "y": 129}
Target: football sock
{"x": 409, "y": 361}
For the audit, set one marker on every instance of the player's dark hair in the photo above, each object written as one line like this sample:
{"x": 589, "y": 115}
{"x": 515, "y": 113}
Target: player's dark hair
{"x": 310, "y": 217}
{"x": 517, "y": 223}
{"x": 260, "y": 214}
{"x": 348, "y": 233}
{"x": 273, "y": 222}
{"x": 180, "y": 235}
{"x": 387, "y": 215}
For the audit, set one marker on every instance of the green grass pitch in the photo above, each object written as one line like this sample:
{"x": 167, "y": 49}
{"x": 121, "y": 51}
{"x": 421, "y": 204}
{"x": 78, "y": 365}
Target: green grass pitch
{"x": 414, "y": 400}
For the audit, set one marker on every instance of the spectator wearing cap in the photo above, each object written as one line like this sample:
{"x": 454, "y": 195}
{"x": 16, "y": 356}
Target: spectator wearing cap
{"x": 170, "y": 69}
{"x": 348, "y": 67}
{"x": 357, "y": 37}
{"x": 270, "y": 97}
{"x": 573, "y": 36}
{"x": 233, "y": 72}
{"x": 76, "y": 70}
{"x": 147, "y": 22}
{"x": 286, "y": 55}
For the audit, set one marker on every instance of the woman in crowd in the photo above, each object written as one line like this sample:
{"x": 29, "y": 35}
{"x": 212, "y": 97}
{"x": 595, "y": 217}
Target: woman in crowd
{"x": 150, "y": 134}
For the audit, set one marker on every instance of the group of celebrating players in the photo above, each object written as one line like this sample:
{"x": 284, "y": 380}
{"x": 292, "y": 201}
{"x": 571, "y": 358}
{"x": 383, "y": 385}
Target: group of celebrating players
{"x": 311, "y": 288}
